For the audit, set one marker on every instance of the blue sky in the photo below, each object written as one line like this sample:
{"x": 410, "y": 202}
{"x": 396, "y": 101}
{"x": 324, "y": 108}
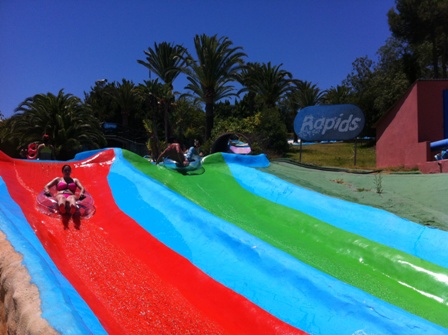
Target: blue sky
{"x": 48, "y": 45}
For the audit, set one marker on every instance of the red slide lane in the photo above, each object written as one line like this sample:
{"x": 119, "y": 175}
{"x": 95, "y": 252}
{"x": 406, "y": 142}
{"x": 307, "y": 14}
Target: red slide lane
{"x": 133, "y": 283}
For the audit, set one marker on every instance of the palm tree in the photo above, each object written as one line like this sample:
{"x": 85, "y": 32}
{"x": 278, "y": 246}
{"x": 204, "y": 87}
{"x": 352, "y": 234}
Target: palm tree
{"x": 307, "y": 94}
{"x": 270, "y": 83}
{"x": 167, "y": 62}
{"x": 100, "y": 100}
{"x": 209, "y": 75}
{"x": 70, "y": 125}
{"x": 302, "y": 94}
{"x": 337, "y": 95}
{"x": 152, "y": 95}
{"x": 124, "y": 97}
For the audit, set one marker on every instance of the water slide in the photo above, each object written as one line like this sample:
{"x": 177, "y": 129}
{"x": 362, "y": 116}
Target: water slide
{"x": 228, "y": 249}
{"x": 437, "y": 145}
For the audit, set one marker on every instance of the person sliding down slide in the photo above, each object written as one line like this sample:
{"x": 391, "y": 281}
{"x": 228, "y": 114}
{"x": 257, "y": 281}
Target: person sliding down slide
{"x": 66, "y": 187}
{"x": 175, "y": 153}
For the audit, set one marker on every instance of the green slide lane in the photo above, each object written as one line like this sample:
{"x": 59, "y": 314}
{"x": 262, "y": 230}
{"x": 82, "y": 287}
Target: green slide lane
{"x": 413, "y": 284}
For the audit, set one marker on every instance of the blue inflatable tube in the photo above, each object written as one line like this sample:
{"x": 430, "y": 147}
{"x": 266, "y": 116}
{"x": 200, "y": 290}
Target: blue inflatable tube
{"x": 439, "y": 144}
{"x": 172, "y": 165}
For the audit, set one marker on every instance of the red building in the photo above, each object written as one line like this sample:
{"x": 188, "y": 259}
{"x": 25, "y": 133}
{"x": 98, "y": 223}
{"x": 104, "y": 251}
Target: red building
{"x": 404, "y": 134}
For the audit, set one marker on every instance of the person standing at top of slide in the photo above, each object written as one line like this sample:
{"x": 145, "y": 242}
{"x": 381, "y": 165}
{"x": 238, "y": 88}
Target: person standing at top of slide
{"x": 45, "y": 150}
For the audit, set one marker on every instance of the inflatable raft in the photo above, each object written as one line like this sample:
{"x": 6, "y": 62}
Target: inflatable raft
{"x": 195, "y": 164}
{"x": 48, "y": 205}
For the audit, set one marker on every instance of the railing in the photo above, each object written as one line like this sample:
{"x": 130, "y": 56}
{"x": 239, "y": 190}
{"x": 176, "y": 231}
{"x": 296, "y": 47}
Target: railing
{"x": 136, "y": 147}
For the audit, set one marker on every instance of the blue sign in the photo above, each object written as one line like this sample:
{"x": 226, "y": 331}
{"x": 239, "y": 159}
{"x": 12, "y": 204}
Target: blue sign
{"x": 329, "y": 122}
{"x": 110, "y": 125}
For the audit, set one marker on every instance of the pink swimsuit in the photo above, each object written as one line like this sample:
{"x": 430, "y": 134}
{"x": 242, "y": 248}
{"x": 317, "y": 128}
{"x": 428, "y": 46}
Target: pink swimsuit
{"x": 62, "y": 185}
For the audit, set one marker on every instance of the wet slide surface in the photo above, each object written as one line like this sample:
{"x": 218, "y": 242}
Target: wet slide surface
{"x": 131, "y": 282}
{"x": 390, "y": 277}
{"x": 204, "y": 253}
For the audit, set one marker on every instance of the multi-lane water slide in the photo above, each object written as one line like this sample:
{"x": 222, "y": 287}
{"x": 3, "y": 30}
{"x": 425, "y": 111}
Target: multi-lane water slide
{"x": 229, "y": 250}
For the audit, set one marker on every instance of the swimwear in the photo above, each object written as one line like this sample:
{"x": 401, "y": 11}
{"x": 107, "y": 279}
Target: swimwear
{"x": 62, "y": 185}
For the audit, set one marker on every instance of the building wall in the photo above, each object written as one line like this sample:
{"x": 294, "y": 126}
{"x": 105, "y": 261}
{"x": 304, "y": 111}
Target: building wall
{"x": 405, "y": 132}
{"x": 430, "y": 110}
{"x": 397, "y": 132}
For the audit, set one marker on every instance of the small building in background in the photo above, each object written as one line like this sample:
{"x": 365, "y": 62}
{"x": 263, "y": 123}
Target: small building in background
{"x": 405, "y": 133}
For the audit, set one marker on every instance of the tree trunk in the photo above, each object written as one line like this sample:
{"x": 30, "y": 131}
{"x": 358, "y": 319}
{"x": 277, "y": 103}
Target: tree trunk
{"x": 165, "y": 120}
{"x": 209, "y": 112}
{"x": 209, "y": 116}
{"x": 154, "y": 142}
{"x": 125, "y": 118}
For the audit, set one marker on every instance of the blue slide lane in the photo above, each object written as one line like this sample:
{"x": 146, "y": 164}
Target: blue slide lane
{"x": 62, "y": 306}
{"x": 277, "y": 282}
{"x": 372, "y": 223}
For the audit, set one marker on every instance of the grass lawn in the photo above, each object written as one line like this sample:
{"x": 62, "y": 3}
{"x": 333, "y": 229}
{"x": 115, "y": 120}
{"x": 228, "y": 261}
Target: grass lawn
{"x": 418, "y": 197}
{"x": 339, "y": 154}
